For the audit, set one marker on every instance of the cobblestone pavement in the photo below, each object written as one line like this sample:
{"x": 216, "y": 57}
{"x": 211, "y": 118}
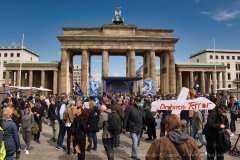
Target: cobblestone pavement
{"x": 46, "y": 150}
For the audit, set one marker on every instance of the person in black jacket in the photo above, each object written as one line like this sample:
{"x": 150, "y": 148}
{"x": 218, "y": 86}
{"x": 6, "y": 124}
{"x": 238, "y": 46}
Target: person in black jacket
{"x": 132, "y": 123}
{"x": 81, "y": 122}
{"x": 150, "y": 120}
{"x": 53, "y": 117}
{"x": 93, "y": 121}
{"x": 38, "y": 113}
{"x": 215, "y": 122}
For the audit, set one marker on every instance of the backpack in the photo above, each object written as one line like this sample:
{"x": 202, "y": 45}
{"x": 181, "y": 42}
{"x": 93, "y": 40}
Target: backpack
{"x": 114, "y": 123}
{"x": 223, "y": 143}
{"x": 57, "y": 110}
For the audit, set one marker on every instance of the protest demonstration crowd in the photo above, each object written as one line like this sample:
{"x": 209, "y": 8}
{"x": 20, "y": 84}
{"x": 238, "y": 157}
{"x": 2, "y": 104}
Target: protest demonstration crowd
{"x": 80, "y": 118}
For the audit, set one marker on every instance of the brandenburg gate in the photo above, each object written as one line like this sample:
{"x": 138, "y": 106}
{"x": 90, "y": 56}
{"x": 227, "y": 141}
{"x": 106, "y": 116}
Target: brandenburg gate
{"x": 118, "y": 39}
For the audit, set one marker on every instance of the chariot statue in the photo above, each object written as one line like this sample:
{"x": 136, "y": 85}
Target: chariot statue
{"x": 118, "y": 17}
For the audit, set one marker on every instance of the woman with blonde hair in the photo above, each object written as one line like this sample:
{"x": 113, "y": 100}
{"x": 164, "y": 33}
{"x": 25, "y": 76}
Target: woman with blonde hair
{"x": 10, "y": 136}
{"x": 93, "y": 121}
{"x": 69, "y": 115}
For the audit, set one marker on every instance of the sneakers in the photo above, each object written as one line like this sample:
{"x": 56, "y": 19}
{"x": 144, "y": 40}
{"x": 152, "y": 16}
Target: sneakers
{"x": 53, "y": 139}
{"x": 58, "y": 148}
{"x": 148, "y": 139}
{"x": 89, "y": 151}
{"x": 27, "y": 151}
{"x": 232, "y": 135}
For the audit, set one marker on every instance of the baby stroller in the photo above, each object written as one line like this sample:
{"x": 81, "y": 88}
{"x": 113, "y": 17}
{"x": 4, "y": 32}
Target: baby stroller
{"x": 234, "y": 151}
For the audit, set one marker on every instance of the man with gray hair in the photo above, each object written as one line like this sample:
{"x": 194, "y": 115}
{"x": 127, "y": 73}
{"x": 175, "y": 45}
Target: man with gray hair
{"x": 60, "y": 109}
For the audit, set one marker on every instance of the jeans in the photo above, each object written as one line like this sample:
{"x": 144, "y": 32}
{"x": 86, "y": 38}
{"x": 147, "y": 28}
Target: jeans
{"x": 194, "y": 132}
{"x": 199, "y": 135}
{"x": 203, "y": 116}
{"x": 92, "y": 137}
{"x": 10, "y": 157}
{"x": 108, "y": 145}
{"x": 232, "y": 122}
{"x": 200, "y": 138}
{"x": 61, "y": 133}
{"x": 117, "y": 140}
{"x": 135, "y": 138}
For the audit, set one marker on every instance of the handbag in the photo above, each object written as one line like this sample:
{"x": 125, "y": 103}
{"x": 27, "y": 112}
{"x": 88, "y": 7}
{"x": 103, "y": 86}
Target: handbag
{"x": 223, "y": 142}
{"x": 35, "y": 128}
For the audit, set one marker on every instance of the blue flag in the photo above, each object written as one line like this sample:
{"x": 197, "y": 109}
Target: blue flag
{"x": 78, "y": 90}
{"x": 9, "y": 94}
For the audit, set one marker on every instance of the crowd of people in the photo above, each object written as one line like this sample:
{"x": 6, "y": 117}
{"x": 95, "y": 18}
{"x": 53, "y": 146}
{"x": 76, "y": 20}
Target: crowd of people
{"x": 80, "y": 118}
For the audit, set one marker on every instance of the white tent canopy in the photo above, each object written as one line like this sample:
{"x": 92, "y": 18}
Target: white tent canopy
{"x": 20, "y": 88}
{"x": 41, "y": 89}
{"x": 27, "y": 88}
{"x": 226, "y": 89}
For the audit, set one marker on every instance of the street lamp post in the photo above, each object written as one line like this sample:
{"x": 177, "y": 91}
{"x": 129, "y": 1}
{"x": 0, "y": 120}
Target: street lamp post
{"x": 20, "y": 69}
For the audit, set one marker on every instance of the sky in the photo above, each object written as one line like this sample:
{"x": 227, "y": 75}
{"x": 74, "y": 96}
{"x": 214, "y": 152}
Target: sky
{"x": 195, "y": 23}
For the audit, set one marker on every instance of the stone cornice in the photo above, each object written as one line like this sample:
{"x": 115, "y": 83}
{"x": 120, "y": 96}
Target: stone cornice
{"x": 116, "y": 39}
{"x": 31, "y": 65}
{"x": 117, "y": 27}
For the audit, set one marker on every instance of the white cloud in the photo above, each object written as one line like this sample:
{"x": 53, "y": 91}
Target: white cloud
{"x": 229, "y": 24}
{"x": 115, "y": 75}
{"x": 14, "y": 44}
{"x": 96, "y": 76}
{"x": 206, "y": 13}
{"x": 225, "y": 15}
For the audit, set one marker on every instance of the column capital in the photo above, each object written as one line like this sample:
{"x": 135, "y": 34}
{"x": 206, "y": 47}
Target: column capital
{"x": 152, "y": 50}
{"x": 85, "y": 48}
{"x": 105, "y": 51}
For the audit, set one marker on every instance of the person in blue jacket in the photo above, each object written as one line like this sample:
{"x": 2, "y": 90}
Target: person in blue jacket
{"x": 11, "y": 136}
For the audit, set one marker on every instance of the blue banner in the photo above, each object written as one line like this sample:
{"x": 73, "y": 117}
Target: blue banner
{"x": 94, "y": 88}
{"x": 149, "y": 87}
{"x": 116, "y": 86}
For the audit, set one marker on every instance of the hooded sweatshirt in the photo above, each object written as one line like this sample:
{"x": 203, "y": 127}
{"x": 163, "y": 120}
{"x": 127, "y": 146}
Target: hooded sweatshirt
{"x": 177, "y": 137}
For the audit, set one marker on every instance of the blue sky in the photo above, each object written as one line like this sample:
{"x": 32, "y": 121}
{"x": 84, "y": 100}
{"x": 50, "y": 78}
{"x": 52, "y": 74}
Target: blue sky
{"x": 195, "y": 22}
